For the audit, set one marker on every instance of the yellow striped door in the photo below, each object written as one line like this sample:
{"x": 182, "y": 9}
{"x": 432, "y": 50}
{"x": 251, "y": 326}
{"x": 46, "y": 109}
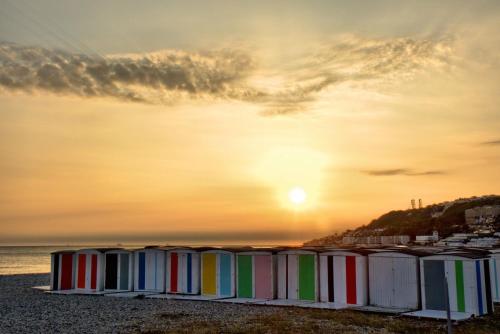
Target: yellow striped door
{"x": 209, "y": 274}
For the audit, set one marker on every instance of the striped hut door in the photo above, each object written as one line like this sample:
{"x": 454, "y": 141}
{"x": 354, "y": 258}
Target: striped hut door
{"x": 174, "y": 271}
{"x": 82, "y": 267}
{"x": 124, "y": 271}
{"x": 330, "y": 285}
{"x": 142, "y": 271}
{"x": 245, "y": 277}
{"x": 263, "y": 276}
{"x": 281, "y": 275}
{"x": 480, "y": 288}
{"x": 93, "y": 272}
{"x": 189, "y": 273}
{"x": 66, "y": 271}
{"x": 55, "y": 272}
{"x": 225, "y": 274}
{"x": 209, "y": 272}
{"x": 459, "y": 284}
{"x": 111, "y": 272}
{"x": 307, "y": 277}
{"x": 487, "y": 286}
{"x": 496, "y": 279}
{"x": 434, "y": 276}
{"x": 350, "y": 271}
{"x": 292, "y": 277}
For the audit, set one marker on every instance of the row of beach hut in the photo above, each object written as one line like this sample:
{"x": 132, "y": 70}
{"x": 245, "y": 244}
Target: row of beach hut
{"x": 398, "y": 278}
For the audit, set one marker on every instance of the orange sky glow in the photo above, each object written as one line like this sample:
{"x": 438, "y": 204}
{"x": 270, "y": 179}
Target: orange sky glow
{"x": 240, "y": 123}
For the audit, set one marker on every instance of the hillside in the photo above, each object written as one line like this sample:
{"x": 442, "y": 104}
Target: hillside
{"x": 446, "y": 218}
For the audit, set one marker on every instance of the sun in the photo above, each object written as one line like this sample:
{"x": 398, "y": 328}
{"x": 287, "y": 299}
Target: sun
{"x": 297, "y": 195}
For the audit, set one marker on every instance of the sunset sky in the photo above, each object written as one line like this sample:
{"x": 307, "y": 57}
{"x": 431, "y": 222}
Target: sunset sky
{"x": 192, "y": 121}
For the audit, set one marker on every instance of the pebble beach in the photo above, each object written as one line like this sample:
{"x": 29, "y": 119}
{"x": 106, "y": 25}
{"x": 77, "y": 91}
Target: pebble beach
{"x": 25, "y": 310}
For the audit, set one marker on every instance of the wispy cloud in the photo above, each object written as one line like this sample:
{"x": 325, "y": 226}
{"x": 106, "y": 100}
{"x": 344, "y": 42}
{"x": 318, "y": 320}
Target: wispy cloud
{"x": 402, "y": 171}
{"x": 169, "y": 76}
{"x": 490, "y": 142}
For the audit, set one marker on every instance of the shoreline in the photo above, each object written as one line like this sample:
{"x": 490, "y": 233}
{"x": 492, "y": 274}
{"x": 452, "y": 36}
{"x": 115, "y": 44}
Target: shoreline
{"x": 26, "y": 310}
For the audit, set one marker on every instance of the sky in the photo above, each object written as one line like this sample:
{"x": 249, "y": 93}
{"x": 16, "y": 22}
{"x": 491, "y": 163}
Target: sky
{"x": 240, "y": 122}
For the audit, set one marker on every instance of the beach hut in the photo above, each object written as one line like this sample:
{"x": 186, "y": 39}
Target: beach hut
{"x": 89, "y": 270}
{"x": 62, "y": 273}
{"x": 118, "y": 270}
{"x": 149, "y": 269}
{"x": 468, "y": 278}
{"x": 495, "y": 274}
{"x": 394, "y": 279}
{"x": 218, "y": 273}
{"x": 344, "y": 276}
{"x": 183, "y": 271}
{"x": 298, "y": 274}
{"x": 255, "y": 274}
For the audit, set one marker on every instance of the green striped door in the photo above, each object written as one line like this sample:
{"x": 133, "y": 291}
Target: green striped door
{"x": 245, "y": 278}
{"x": 307, "y": 277}
{"x": 459, "y": 280}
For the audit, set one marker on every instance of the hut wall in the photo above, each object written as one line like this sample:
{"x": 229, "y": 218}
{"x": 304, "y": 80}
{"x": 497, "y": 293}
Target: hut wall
{"x": 62, "y": 271}
{"x": 467, "y": 288}
{"x": 150, "y": 270}
{"x": 218, "y": 274}
{"x": 183, "y": 269}
{"x": 495, "y": 277}
{"x": 89, "y": 271}
{"x": 347, "y": 275}
{"x": 297, "y": 276}
{"x": 394, "y": 281}
{"x": 255, "y": 276}
{"x": 119, "y": 271}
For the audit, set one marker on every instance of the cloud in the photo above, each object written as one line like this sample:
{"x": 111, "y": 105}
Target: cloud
{"x": 150, "y": 78}
{"x": 172, "y": 75}
{"x": 354, "y": 60}
{"x": 491, "y": 142}
{"x": 402, "y": 171}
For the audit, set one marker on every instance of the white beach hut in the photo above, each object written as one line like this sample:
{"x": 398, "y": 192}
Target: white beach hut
{"x": 89, "y": 270}
{"x": 256, "y": 274}
{"x": 149, "y": 269}
{"x": 218, "y": 272}
{"x": 468, "y": 278}
{"x": 495, "y": 274}
{"x": 344, "y": 277}
{"x": 394, "y": 279}
{"x": 118, "y": 270}
{"x": 62, "y": 273}
{"x": 183, "y": 271}
{"x": 297, "y": 277}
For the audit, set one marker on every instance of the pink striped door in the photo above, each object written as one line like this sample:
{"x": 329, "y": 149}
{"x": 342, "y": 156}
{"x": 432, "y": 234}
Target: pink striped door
{"x": 263, "y": 276}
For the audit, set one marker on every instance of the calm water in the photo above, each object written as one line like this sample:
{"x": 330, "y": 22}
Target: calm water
{"x": 28, "y": 259}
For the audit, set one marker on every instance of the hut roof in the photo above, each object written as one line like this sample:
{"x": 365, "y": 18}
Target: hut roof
{"x": 65, "y": 251}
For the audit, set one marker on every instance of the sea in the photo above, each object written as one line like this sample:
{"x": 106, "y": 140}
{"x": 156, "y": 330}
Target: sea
{"x": 29, "y": 259}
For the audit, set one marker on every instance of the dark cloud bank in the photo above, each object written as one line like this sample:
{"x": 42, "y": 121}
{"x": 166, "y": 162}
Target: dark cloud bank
{"x": 169, "y": 76}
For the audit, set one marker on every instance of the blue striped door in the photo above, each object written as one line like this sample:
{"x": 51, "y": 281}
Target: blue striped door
{"x": 189, "y": 274}
{"x": 225, "y": 274}
{"x": 142, "y": 271}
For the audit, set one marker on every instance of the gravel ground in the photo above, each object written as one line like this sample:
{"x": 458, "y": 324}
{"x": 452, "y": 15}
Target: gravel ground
{"x": 24, "y": 310}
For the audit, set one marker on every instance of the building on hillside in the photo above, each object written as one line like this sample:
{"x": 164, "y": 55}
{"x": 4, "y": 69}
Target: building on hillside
{"x": 376, "y": 240}
{"x": 427, "y": 239}
{"x": 482, "y": 215}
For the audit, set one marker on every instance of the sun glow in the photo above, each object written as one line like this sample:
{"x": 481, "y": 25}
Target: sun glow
{"x": 295, "y": 174}
{"x": 297, "y": 195}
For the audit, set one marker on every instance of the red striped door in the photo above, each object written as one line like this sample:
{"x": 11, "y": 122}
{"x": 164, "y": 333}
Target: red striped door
{"x": 350, "y": 268}
{"x": 93, "y": 272}
{"x": 66, "y": 271}
{"x": 174, "y": 269}
{"x": 82, "y": 266}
